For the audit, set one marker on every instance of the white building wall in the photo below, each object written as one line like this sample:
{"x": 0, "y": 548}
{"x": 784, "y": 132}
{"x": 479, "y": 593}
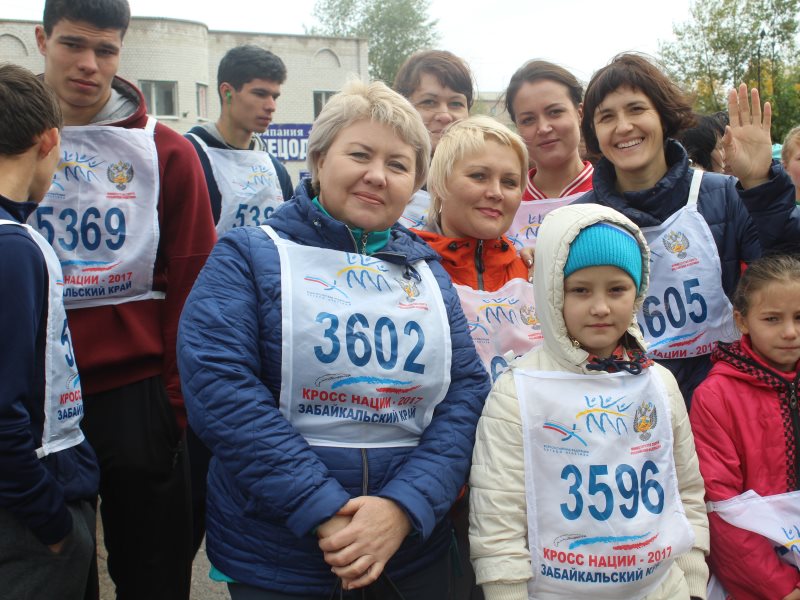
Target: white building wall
{"x": 188, "y": 53}
{"x": 18, "y": 44}
{"x": 168, "y": 50}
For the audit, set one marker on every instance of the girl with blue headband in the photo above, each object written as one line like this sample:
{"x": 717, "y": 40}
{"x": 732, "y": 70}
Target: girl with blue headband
{"x": 585, "y": 480}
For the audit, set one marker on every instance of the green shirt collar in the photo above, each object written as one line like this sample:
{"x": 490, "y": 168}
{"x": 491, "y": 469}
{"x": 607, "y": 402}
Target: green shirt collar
{"x": 375, "y": 240}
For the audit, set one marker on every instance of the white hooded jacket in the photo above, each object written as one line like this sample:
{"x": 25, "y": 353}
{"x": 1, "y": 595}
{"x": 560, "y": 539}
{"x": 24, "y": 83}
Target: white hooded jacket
{"x": 498, "y": 524}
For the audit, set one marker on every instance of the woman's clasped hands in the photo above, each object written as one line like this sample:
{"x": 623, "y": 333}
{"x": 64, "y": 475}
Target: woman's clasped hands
{"x": 360, "y": 539}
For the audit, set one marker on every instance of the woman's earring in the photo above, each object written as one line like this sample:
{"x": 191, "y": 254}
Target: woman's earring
{"x": 575, "y": 343}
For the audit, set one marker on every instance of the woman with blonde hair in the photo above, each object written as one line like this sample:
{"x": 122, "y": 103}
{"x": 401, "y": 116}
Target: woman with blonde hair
{"x": 475, "y": 182}
{"x": 326, "y": 364}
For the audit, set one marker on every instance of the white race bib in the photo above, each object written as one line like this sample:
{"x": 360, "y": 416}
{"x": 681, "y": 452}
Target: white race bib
{"x": 524, "y": 228}
{"x": 777, "y": 518}
{"x": 686, "y": 310}
{"x": 366, "y": 347}
{"x": 63, "y": 403}
{"x": 101, "y": 214}
{"x": 605, "y": 518}
{"x": 415, "y": 216}
{"x": 248, "y": 185}
{"x": 500, "y": 322}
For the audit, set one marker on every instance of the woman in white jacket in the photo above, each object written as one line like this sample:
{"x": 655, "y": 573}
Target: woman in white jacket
{"x": 585, "y": 478}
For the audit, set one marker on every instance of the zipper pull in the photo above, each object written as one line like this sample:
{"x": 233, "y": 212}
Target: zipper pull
{"x": 364, "y": 237}
{"x": 792, "y": 396}
{"x": 479, "y": 268}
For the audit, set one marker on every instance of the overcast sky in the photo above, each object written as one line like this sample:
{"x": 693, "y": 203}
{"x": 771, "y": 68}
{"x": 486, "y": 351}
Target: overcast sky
{"x": 495, "y": 37}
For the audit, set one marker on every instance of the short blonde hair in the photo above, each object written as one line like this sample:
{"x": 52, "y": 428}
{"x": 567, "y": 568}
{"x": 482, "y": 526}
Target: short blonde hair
{"x": 462, "y": 139}
{"x": 791, "y": 140}
{"x": 359, "y": 101}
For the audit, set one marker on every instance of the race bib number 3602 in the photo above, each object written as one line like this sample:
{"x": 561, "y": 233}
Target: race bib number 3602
{"x": 366, "y": 347}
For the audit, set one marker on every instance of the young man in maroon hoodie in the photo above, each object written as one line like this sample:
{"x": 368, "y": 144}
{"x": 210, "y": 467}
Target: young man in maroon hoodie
{"x": 128, "y": 215}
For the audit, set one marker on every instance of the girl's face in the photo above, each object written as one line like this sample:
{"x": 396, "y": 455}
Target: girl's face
{"x": 598, "y": 307}
{"x": 773, "y": 324}
{"x": 549, "y": 123}
{"x": 483, "y": 193}
{"x": 630, "y": 135}
{"x": 792, "y": 165}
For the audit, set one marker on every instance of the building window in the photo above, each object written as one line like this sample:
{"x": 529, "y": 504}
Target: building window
{"x": 320, "y": 98}
{"x": 161, "y": 97}
{"x": 202, "y": 101}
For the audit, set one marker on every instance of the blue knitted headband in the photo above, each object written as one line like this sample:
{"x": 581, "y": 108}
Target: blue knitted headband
{"x": 604, "y": 244}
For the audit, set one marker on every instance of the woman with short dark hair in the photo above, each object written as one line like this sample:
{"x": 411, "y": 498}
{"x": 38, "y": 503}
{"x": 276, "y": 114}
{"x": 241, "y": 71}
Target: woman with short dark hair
{"x": 701, "y": 227}
{"x": 440, "y": 87}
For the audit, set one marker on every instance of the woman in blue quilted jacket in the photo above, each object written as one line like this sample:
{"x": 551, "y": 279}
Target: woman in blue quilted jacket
{"x": 702, "y": 228}
{"x": 326, "y": 363}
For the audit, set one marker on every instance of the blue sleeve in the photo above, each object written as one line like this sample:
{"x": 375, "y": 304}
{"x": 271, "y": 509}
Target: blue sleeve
{"x": 231, "y": 320}
{"x": 734, "y": 233}
{"x": 213, "y": 191}
{"x": 743, "y": 244}
{"x": 429, "y": 482}
{"x": 284, "y": 178}
{"x": 773, "y": 210}
{"x": 27, "y": 489}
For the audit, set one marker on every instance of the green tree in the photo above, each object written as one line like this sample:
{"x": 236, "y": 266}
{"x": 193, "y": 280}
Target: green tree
{"x": 394, "y": 29}
{"x": 727, "y": 42}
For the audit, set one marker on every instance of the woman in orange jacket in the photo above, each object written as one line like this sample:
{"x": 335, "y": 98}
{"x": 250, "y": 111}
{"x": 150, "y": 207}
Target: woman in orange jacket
{"x": 476, "y": 180}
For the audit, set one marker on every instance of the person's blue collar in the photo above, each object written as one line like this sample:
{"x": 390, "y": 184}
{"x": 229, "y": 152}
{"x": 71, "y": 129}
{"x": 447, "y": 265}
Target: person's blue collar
{"x": 375, "y": 240}
{"x": 20, "y": 211}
